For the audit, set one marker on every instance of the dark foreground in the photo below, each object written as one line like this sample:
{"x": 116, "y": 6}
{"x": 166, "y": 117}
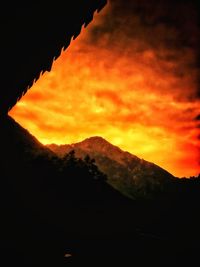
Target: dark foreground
{"x": 54, "y": 218}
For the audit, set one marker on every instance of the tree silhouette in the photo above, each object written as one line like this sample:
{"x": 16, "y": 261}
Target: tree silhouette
{"x": 93, "y": 169}
{"x": 81, "y": 176}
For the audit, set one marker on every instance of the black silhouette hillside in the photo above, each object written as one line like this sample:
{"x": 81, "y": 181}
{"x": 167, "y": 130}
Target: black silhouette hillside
{"x": 29, "y": 212}
{"x": 54, "y": 206}
{"x": 132, "y": 176}
{"x": 49, "y": 201}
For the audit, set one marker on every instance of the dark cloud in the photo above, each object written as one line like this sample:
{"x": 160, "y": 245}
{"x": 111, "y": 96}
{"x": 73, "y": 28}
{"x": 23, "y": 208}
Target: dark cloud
{"x": 170, "y": 28}
{"x": 169, "y": 19}
{"x": 197, "y": 118}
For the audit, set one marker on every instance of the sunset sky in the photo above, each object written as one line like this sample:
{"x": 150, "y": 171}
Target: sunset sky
{"x": 130, "y": 77}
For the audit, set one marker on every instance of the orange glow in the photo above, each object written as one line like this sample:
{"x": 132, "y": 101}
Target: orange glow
{"x": 133, "y": 99}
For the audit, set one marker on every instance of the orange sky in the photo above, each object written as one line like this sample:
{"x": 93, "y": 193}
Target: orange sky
{"x": 138, "y": 99}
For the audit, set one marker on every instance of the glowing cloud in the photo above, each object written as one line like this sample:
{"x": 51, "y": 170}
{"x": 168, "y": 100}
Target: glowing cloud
{"x": 122, "y": 80}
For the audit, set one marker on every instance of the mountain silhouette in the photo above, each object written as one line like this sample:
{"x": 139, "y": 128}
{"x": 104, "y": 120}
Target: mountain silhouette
{"x": 53, "y": 205}
{"x": 132, "y": 176}
{"x": 14, "y": 135}
{"x": 49, "y": 202}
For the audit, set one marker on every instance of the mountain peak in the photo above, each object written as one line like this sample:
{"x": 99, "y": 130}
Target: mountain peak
{"x": 98, "y": 144}
{"x": 95, "y": 139}
{"x": 126, "y": 172}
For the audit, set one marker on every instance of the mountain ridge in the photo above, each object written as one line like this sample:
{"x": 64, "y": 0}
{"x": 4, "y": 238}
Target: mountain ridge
{"x": 126, "y": 172}
{"x": 19, "y": 136}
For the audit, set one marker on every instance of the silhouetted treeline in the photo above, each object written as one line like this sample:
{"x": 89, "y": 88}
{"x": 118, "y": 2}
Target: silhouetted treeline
{"x": 81, "y": 178}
